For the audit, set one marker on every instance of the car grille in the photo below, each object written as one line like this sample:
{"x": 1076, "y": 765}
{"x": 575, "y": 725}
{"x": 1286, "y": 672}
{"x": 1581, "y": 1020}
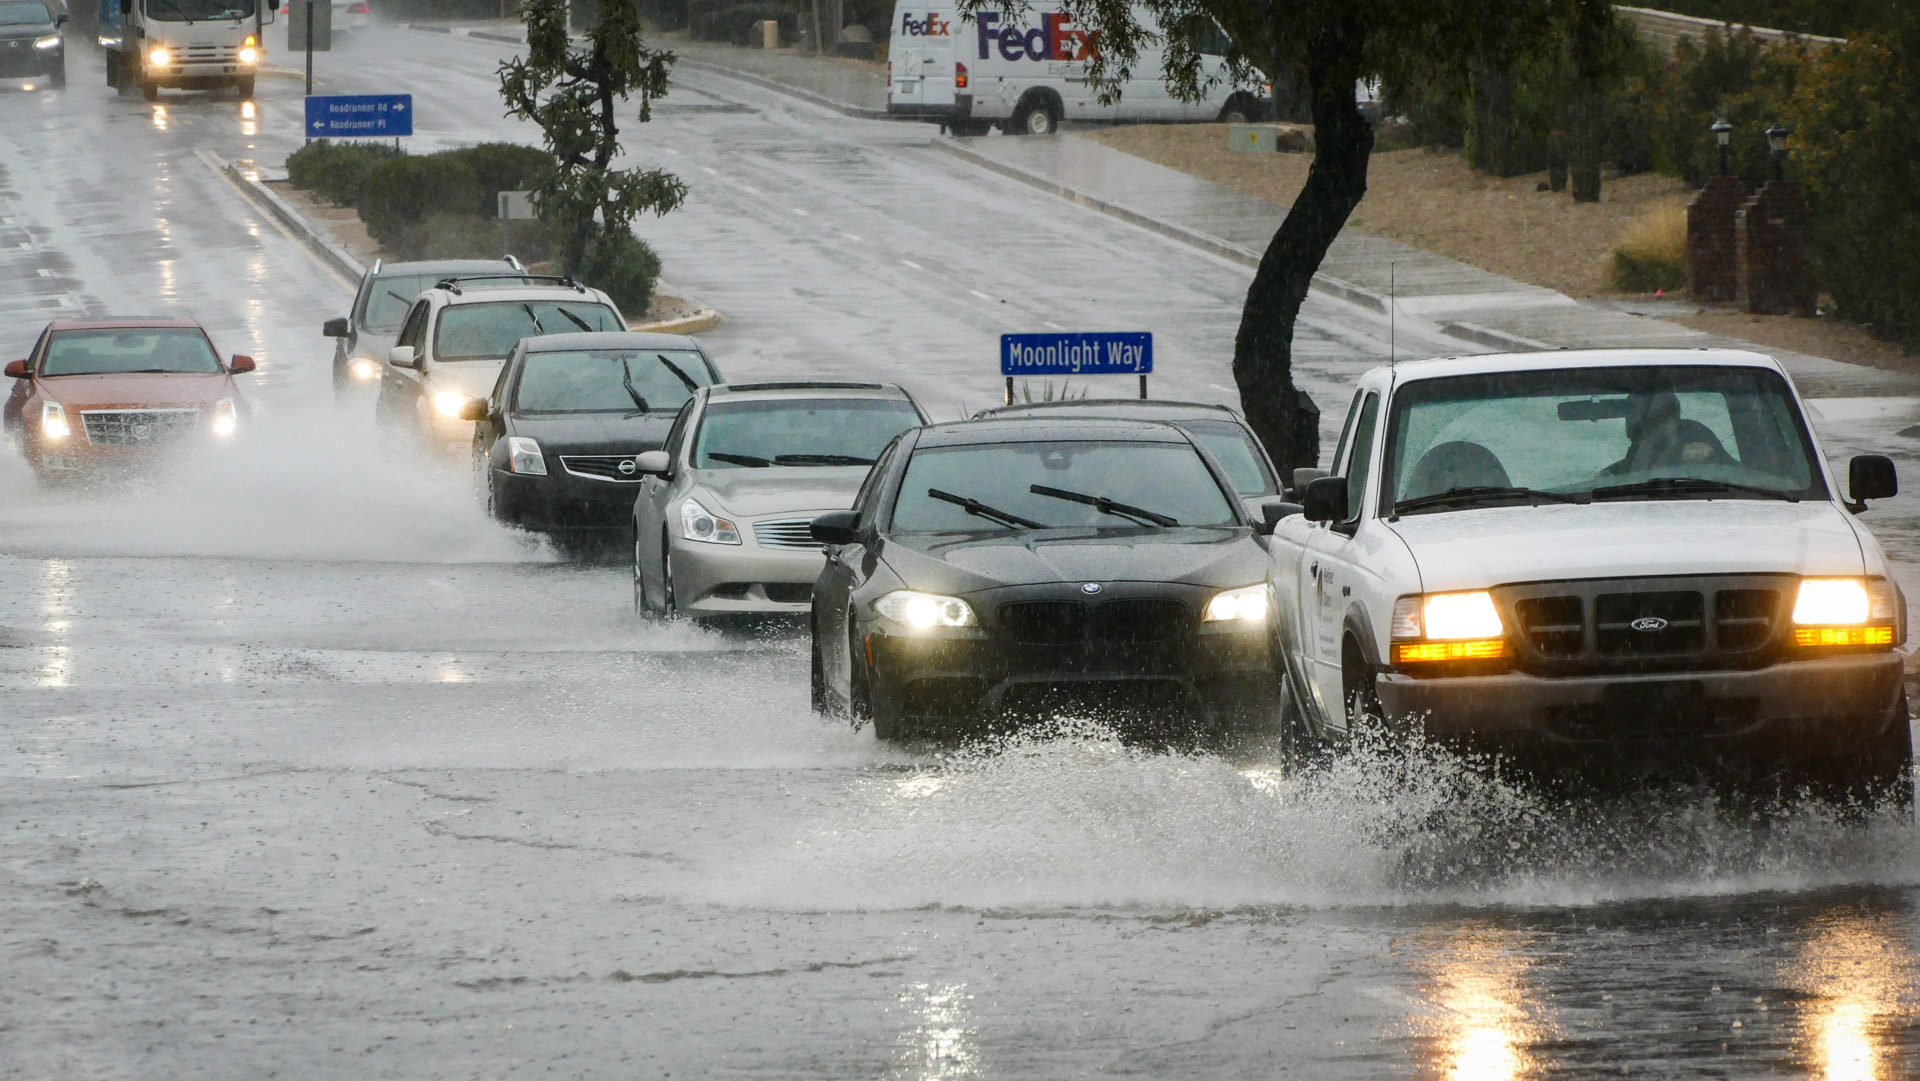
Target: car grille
{"x": 138, "y": 427}
{"x": 1123, "y": 620}
{"x": 789, "y": 533}
{"x": 1634, "y": 625}
{"x": 602, "y": 467}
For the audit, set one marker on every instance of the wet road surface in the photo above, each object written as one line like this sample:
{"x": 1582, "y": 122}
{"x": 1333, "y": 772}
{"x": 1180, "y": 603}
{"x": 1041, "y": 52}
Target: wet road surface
{"x": 312, "y": 772}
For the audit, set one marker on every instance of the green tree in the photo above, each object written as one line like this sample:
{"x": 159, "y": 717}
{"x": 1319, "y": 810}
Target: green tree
{"x": 572, "y": 95}
{"x": 1325, "y": 47}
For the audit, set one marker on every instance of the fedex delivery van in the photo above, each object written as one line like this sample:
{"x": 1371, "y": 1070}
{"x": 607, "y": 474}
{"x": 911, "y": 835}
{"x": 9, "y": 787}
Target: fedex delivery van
{"x": 1027, "y": 73}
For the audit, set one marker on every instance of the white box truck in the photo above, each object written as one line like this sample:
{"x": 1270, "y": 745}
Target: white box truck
{"x": 188, "y": 44}
{"x": 1028, "y": 72}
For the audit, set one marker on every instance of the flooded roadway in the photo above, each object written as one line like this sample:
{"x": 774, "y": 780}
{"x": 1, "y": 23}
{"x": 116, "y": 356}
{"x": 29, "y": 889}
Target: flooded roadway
{"x": 313, "y": 772}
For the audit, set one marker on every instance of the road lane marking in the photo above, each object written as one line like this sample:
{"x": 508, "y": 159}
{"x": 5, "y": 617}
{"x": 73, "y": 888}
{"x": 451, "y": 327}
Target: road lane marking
{"x": 851, "y": 237}
{"x": 979, "y": 294}
{"x": 711, "y": 171}
{"x": 45, "y": 273}
{"x": 801, "y": 212}
{"x": 913, "y": 264}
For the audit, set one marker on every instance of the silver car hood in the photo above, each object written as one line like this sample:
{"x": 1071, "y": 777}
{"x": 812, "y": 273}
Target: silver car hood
{"x": 753, "y": 492}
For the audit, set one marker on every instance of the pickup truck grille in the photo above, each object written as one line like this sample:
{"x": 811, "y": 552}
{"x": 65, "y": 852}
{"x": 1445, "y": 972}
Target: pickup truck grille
{"x": 1626, "y": 625}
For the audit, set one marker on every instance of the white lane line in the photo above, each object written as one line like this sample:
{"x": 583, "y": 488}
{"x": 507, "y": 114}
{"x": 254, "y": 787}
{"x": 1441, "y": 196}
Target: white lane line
{"x": 671, "y": 150}
{"x": 979, "y": 294}
{"x": 801, "y": 212}
{"x": 1053, "y": 324}
{"x": 1217, "y": 386}
{"x": 851, "y": 237}
{"x": 26, "y": 244}
{"x": 45, "y": 273}
{"x": 909, "y": 262}
{"x": 711, "y": 171}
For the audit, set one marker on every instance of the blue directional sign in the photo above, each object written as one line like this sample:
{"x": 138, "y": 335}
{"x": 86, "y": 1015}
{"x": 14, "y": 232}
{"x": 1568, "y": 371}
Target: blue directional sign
{"x": 1129, "y": 353}
{"x": 344, "y": 116}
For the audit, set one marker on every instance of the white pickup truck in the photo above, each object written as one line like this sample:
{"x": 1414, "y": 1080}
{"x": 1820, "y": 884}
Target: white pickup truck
{"x": 1633, "y": 555}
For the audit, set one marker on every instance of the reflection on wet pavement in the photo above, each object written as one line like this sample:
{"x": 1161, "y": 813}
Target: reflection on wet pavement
{"x": 1482, "y": 1027}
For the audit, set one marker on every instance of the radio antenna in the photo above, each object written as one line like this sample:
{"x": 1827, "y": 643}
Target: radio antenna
{"x": 1393, "y": 310}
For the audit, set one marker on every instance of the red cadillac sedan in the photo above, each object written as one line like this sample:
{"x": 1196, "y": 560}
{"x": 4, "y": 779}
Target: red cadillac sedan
{"x": 115, "y": 392}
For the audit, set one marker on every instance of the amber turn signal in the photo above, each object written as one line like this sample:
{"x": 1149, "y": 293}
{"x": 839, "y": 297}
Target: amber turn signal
{"x": 1483, "y": 649}
{"x": 1843, "y": 636}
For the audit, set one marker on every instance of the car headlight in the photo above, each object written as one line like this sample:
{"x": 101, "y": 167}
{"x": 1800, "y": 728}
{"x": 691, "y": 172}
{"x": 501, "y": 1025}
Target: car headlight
{"x": 226, "y": 420}
{"x": 363, "y": 369}
{"x": 51, "y": 41}
{"x": 53, "y": 421}
{"x": 248, "y": 54}
{"x": 1845, "y": 612}
{"x": 925, "y": 611}
{"x": 697, "y": 523}
{"x": 447, "y": 403}
{"x": 1447, "y": 627}
{"x": 159, "y": 57}
{"x": 523, "y": 456}
{"x": 1247, "y": 604}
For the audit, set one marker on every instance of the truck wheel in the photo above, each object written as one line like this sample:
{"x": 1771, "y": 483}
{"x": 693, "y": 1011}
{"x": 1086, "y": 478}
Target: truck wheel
{"x": 1883, "y": 775}
{"x": 1037, "y": 114}
{"x": 148, "y": 89}
{"x": 246, "y": 87}
{"x": 1360, "y": 692}
{"x": 1241, "y": 109}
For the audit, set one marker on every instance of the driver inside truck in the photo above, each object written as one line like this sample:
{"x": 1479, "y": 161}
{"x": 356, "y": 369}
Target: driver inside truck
{"x": 1659, "y": 437}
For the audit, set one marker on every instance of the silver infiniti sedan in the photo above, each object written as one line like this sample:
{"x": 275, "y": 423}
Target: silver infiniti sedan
{"x": 721, "y": 522}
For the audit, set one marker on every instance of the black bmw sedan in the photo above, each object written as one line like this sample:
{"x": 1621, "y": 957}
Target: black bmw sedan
{"x": 996, "y": 569}
{"x": 557, "y": 437}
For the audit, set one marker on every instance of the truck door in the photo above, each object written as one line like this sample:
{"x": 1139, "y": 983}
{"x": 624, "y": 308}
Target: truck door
{"x": 1330, "y": 568}
{"x": 920, "y": 57}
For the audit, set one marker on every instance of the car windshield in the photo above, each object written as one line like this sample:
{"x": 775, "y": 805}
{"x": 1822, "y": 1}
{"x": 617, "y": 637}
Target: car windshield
{"x": 609, "y": 380}
{"x": 24, "y": 13}
{"x": 1233, "y": 447}
{"x": 799, "y": 432}
{"x": 180, "y": 11}
{"x": 1020, "y": 486}
{"x": 1579, "y": 434}
{"x": 117, "y": 352}
{"x": 489, "y": 331}
{"x": 391, "y": 296}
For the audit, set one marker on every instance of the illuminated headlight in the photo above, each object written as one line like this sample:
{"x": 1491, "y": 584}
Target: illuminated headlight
{"x": 1845, "y": 612}
{"x": 249, "y": 54}
{"x": 53, "y": 421}
{"x": 447, "y": 403}
{"x": 225, "y": 419}
{"x": 159, "y": 57}
{"x": 363, "y": 369}
{"x": 523, "y": 456}
{"x": 51, "y": 41}
{"x": 697, "y": 523}
{"x": 1447, "y": 627}
{"x": 925, "y": 611}
{"x": 1248, "y": 604}
{"x": 1834, "y": 601}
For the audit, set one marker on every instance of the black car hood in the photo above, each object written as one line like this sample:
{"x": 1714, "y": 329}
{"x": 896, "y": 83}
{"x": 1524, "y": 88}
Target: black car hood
{"x": 38, "y": 31}
{"x": 594, "y": 433}
{"x": 959, "y": 564}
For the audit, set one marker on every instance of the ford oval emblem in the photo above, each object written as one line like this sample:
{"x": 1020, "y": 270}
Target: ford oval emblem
{"x": 1649, "y": 624}
{"x": 627, "y": 467}
{"x": 1090, "y": 587}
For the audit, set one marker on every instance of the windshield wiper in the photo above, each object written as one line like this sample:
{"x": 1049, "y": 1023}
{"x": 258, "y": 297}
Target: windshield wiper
{"x": 1475, "y": 493}
{"x": 739, "y": 459}
{"x": 528, "y": 308}
{"x": 626, "y": 380}
{"x": 1106, "y": 506}
{"x": 981, "y": 510}
{"x": 176, "y": 10}
{"x": 1688, "y": 486}
{"x": 577, "y": 321}
{"x": 820, "y": 459}
{"x": 685, "y": 380}
{"x": 398, "y": 297}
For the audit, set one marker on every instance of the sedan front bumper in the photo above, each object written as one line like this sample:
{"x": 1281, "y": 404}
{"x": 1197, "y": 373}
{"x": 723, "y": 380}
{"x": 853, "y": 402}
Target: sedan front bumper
{"x": 561, "y": 502}
{"x": 750, "y": 577}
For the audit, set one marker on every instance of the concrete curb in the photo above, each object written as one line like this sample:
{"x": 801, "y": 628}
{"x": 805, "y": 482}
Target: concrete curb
{"x": 858, "y": 112}
{"x": 244, "y": 176}
{"x": 1324, "y": 283}
{"x": 703, "y": 320}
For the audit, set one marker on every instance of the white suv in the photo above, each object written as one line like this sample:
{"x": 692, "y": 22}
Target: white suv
{"x": 457, "y": 337}
{"x": 1609, "y": 557}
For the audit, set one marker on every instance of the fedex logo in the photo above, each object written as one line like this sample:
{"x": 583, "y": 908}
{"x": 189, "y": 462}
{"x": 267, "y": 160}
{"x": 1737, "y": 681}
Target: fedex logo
{"x": 1053, "y": 39}
{"x": 933, "y": 26}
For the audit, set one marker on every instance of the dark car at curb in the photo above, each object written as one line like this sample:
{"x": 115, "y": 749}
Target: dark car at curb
{"x": 1131, "y": 586}
{"x": 557, "y": 438}
{"x": 31, "y": 43}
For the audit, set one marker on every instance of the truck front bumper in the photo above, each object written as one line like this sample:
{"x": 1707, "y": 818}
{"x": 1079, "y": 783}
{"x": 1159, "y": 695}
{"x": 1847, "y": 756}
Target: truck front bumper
{"x": 1805, "y": 704}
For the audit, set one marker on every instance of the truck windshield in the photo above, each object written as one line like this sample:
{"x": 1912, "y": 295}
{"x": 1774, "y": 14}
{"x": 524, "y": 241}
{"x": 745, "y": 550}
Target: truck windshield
{"x": 186, "y": 11}
{"x": 121, "y": 352}
{"x": 1585, "y": 434}
{"x": 609, "y": 380}
{"x": 24, "y": 13}
{"x": 490, "y": 331}
{"x": 799, "y": 432}
{"x": 1058, "y": 485}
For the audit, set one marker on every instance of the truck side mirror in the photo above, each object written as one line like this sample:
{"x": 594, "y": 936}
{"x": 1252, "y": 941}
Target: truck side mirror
{"x": 837, "y": 527}
{"x": 240, "y": 365}
{"x": 17, "y": 369}
{"x": 475, "y": 409}
{"x": 1872, "y": 476}
{"x": 1325, "y": 500}
{"x": 335, "y": 327}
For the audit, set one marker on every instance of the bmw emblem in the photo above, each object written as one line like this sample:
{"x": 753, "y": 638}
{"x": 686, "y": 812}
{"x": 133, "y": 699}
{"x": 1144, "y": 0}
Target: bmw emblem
{"x": 627, "y": 467}
{"x": 1649, "y": 624}
{"x": 1090, "y": 587}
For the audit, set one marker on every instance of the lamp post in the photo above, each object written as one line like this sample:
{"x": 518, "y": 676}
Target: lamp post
{"x": 1777, "y": 144}
{"x": 1722, "y": 135}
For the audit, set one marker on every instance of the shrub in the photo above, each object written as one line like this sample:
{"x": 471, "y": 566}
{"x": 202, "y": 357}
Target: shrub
{"x": 469, "y": 236}
{"x": 501, "y": 167}
{"x": 1652, "y": 253}
{"x": 624, "y": 267}
{"x": 1728, "y": 74}
{"x": 405, "y": 191}
{"x": 337, "y": 172}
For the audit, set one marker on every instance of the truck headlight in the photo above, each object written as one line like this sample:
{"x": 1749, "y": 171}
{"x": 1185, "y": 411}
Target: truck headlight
{"x": 1845, "y": 612}
{"x": 159, "y": 57}
{"x": 225, "y": 419}
{"x": 523, "y": 456}
{"x": 51, "y": 41}
{"x": 364, "y": 369}
{"x": 249, "y": 55}
{"x": 925, "y": 611}
{"x": 447, "y": 403}
{"x": 1247, "y": 604}
{"x": 1447, "y": 627}
{"x": 53, "y": 421}
{"x": 697, "y": 523}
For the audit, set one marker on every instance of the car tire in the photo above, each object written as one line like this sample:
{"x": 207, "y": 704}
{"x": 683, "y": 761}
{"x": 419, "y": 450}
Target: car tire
{"x": 669, "y": 604}
{"x": 1037, "y": 114}
{"x": 57, "y": 78}
{"x": 1882, "y": 775}
{"x": 639, "y": 583}
{"x": 860, "y": 688}
{"x": 817, "y": 676}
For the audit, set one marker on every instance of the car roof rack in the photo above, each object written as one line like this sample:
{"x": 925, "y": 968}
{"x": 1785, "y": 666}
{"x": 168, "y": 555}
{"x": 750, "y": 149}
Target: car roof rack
{"x": 376, "y": 266}
{"x": 804, "y": 384}
{"x": 452, "y": 284}
{"x": 514, "y": 262}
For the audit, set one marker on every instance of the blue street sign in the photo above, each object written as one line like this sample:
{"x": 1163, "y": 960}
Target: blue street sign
{"x": 343, "y": 116}
{"x": 1129, "y": 353}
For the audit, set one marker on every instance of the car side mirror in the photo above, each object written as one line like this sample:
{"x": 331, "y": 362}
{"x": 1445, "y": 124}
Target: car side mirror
{"x": 1273, "y": 512}
{"x": 1325, "y": 500}
{"x": 60, "y": 19}
{"x": 475, "y": 409}
{"x": 17, "y": 369}
{"x": 654, "y": 462}
{"x": 1872, "y": 476}
{"x": 240, "y": 365}
{"x": 401, "y": 356}
{"x": 336, "y": 327}
{"x": 838, "y": 527}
